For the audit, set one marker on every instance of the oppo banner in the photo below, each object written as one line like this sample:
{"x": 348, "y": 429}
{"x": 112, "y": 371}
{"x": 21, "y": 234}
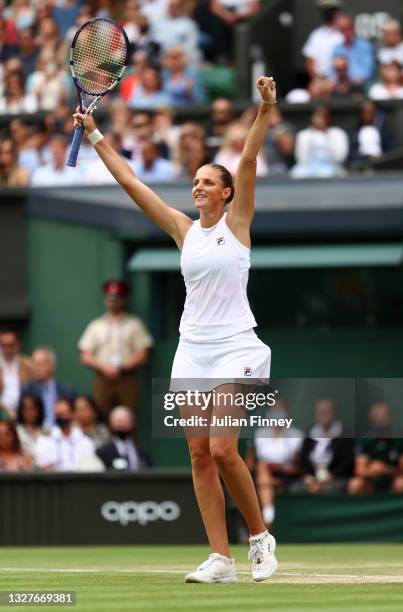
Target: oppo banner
{"x": 142, "y": 513}
{"x": 151, "y": 507}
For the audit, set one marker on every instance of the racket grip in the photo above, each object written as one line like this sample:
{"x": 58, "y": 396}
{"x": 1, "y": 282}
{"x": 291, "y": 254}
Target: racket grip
{"x": 75, "y": 147}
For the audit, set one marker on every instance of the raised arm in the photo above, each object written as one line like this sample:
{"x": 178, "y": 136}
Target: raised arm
{"x": 172, "y": 221}
{"x": 241, "y": 209}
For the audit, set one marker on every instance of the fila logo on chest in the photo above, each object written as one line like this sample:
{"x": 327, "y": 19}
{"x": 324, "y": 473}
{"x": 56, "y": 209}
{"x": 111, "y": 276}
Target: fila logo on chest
{"x": 220, "y": 240}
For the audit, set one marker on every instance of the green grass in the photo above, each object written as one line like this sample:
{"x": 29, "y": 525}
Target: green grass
{"x": 367, "y": 578}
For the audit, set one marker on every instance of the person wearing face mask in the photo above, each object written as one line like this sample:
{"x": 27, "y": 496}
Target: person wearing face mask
{"x": 66, "y": 448}
{"x": 122, "y": 453}
{"x": 321, "y": 41}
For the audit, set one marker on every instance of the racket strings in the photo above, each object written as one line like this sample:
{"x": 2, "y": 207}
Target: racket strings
{"x": 99, "y": 56}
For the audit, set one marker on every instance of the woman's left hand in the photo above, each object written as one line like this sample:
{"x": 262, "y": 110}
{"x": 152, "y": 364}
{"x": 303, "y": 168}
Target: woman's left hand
{"x": 267, "y": 89}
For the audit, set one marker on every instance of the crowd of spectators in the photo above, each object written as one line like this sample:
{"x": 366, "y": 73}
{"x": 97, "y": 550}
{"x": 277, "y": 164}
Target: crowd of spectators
{"x": 171, "y": 42}
{"x": 338, "y": 62}
{"x": 329, "y": 459}
{"x": 161, "y": 151}
{"x": 47, "y": 425}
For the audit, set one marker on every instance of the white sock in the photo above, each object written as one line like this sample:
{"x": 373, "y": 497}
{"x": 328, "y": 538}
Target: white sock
{"x": 258, "y": 536}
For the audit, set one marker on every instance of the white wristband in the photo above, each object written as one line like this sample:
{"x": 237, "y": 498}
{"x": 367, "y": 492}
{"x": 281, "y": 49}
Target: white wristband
{"x": 95, "y": 137}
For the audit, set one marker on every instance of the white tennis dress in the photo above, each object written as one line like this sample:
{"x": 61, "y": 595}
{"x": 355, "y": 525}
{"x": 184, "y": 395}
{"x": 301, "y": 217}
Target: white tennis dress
{"x": 217, "y": 340}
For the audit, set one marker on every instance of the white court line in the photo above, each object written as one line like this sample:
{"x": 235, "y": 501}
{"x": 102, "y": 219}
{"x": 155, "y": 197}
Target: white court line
{"x": 70, "y": 570}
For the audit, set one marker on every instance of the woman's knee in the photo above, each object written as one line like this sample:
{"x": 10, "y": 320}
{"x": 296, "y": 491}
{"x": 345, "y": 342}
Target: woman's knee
{"x": 224, "y": 453}
{"x": 200, "y": 456}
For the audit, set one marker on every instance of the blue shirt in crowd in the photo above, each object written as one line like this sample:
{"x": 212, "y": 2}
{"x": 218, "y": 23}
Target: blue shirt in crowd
{"x": 162, "y": 170}
{"x": 177, "y": 89}
{"x": 49, "y": 397}
{"x": 146, "y": 101}
{"x": 361, "y": 59}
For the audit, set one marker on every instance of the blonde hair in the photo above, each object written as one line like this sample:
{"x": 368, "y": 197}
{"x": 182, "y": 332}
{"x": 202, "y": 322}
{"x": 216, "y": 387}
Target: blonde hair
{"x": 176, "y": 49}
{"x": 180, "y": 152}
{"x": 392, "y": 26}
{"x": 234, "y": 131}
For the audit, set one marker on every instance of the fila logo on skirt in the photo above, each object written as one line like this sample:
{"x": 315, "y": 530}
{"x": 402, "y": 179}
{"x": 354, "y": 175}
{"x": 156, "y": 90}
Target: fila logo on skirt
{"x": 247, "y": 371}
{"x": 220, "y": 240}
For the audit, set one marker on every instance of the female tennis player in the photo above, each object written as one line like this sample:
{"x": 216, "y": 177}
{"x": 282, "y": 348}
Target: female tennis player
{"x": 217, "y": 340}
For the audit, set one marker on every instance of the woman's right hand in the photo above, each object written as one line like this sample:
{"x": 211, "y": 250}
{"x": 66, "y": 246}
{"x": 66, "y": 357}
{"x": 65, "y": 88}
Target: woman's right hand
{"x": 86, "y": 120}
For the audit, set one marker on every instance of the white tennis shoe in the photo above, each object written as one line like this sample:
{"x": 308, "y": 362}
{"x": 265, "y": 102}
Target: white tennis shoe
{"x": 261, "y": 552}
{"x": 216, "y": 568}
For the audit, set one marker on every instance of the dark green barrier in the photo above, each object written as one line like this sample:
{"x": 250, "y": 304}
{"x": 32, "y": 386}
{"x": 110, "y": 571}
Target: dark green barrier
{"x": 14, "y": 305}
{"x": 330, "y": 518}
{"x": 159, "y": 507}
{"x": 55, "y": 509}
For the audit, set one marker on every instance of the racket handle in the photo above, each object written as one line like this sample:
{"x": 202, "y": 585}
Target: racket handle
{"x": 75, "y": 147}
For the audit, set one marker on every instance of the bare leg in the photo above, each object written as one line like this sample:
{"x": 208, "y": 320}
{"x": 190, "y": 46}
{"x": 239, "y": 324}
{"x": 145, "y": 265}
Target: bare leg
{"x": 209, "y": 494}
{"x": 238, "y": 481}
{"x": 231, "y": 466}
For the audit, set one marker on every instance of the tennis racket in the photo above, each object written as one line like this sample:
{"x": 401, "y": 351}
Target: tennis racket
{"x": 98, "y": 59}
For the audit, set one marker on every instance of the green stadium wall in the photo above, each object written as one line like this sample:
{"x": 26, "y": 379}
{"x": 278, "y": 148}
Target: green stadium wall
{"x": 68, "y": 262}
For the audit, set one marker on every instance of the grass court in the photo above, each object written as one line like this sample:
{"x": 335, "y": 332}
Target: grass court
{"x": 323, "y": 578}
